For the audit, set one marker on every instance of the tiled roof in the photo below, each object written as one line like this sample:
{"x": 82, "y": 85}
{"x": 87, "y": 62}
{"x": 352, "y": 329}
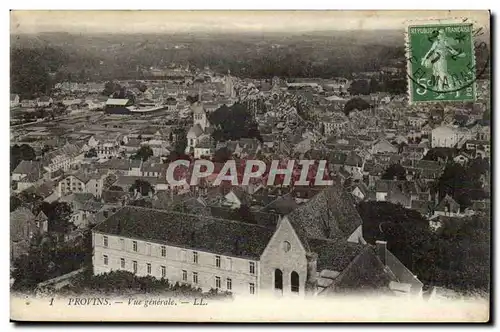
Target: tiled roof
{"x": 334, "y": 254}
{"x": 113, "y": 197}
{"x": 365, "y": 273}
{"x": 428, "y": 164}
{"x": 153, "y": 167}
{"x": 79, "y": 198}
{"x": 281, "y": 205}
{"x": 44, "y": 190}
{"x": 27, "y": 167}
{"x": 208, "y": 234}
{"x": 84, "y": 177}
{"x": 331, "y": 213}
{"x": 353, "y": 159}
{"x": 337, "y": 157}
{"x": 195, "y": 130}
{"x": 130, "y": 180}
{"x": 119, "y": 164}
{"x": 92, "y": 206}
{"x": 70, "y": 150}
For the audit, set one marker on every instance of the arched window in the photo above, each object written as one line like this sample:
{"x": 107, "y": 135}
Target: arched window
{"x": 294, "y": 282}
{"x": 278, "y": 279}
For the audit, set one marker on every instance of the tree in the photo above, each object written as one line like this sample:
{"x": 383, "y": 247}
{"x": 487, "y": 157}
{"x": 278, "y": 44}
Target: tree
{"x": 92, "y": 153}
{"x": 355, "y": 103}
{"x": 374, "y": 85}
{"x": 143, "y": 153}
{"x": 487, "y": 115}
{"x": 402, "y": 228}
{"x": 459, "y": 183}
{"x": 125, "y": 282}
{"x": 233, "y": 123}
{"x": 110, "y": 88}
{"x": 15, "y": 202}
{"x": 244, "y": 214}
{"x": 359, "y": 87}
{"x": 46, "y": 148}
{"x": 115, "y": 188}
{"x": 143, "y": 187}
{"x": 394, "y": 172}
{"x": 19, "y": 153}
{"x": 181, "y": 141}
{"x": 478, "y": 167}
{"x": 440, "y": 153}
{"x": 30, "y": 68}
{"x": 457, "y": 256}
{"x": 222, "y": 155}
{"x": 58, "y": 215}
{"x": 48, "y": 259}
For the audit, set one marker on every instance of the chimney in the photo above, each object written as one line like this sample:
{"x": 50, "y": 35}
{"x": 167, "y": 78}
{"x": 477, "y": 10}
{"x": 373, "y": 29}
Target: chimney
{"x": 312, "y": 268}
{"x": 382, "y": 251}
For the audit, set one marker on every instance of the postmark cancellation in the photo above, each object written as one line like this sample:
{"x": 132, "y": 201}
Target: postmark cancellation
{"x": 441, "y": 60}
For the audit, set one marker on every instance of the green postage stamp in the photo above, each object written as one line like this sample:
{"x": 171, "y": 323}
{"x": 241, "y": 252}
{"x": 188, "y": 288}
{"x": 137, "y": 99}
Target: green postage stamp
{"x": 441, "y": 62}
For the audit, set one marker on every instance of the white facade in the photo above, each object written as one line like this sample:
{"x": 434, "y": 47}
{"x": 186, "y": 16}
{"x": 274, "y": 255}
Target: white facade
{"x": 179, "y": 264}
{"x": 200, "y": 152}
{"x": 71, "y": 184}
{"x": 444, "y": 136}
{"x": 284, "y": 253}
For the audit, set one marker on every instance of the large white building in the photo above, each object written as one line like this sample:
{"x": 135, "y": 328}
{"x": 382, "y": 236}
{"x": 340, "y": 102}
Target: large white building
{"x": 445, "y": 136}
{"x": 81, "y": 182}
{"x": 280, "y": 256}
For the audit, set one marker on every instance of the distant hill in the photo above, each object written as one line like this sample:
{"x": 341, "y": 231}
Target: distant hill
{"x": 104, "y": 57}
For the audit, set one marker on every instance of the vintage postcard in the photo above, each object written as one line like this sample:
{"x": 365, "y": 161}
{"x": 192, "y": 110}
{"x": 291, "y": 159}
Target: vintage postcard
{"x": 250, "y": 166}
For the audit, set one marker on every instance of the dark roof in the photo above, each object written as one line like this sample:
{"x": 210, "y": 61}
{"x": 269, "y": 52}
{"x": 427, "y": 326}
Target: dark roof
{"x": 365, "y": 273}
{"x": 422, "y": 206}
{"x": 428, "y": 164}
{"x": 79, "y": 198}
{"x": 84, "y": 176}
{"x": 268, "y": 220}
{"x": 353, "y": 159}
{"x": 281, "y": 205}
{"x": 334, "y": 254}
{"x": 153, "y": 167}
{"x": 214, "y": 235}
{"x": 331, "y": 213}
{"x": 92, "y": 206}
{"x": 362, "y": 187}
{"x": 120, "y": 164}
{"x": 112, "y": 197}
{"x": 28, "y": 167}
{"x": 44, "y": 190}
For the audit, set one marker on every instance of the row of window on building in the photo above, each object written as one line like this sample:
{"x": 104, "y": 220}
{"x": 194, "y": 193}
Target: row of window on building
{"x": 163, "y": 269}
{"x": 163, "y": 250}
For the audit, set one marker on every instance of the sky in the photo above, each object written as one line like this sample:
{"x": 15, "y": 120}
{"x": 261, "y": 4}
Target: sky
{"x": 223, "y": 21}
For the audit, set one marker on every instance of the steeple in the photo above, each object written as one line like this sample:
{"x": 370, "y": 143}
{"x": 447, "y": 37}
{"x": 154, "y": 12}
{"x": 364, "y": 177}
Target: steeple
{"x": 199, "y": 93}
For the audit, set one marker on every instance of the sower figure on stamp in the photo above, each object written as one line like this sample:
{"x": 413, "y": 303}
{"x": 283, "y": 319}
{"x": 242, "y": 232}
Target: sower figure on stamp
{"x": 437, "y": 58}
